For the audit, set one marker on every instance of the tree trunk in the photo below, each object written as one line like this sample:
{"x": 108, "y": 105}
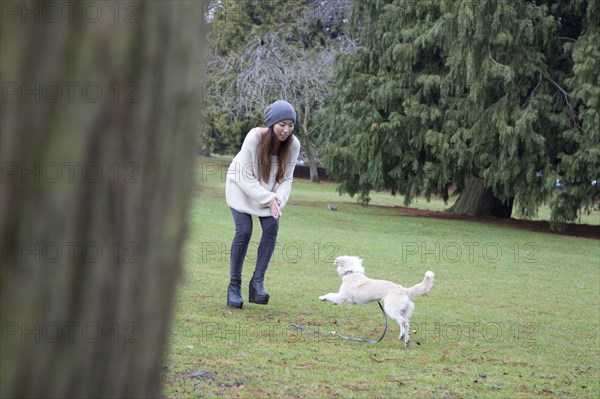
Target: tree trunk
{"x": 310, "y": 151}
{"x": 477, "y": 199}
{"x": 313, "y": 167}
{"x": 98, "y": 121}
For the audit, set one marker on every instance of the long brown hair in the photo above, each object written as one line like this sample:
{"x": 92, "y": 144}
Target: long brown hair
{"x": 264, "y": 161}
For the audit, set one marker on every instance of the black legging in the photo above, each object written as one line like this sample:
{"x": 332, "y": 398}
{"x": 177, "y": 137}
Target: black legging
{"x": 239, "y": 246}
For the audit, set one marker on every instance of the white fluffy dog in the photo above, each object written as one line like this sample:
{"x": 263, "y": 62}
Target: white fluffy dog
{"x": 357, "y": 288}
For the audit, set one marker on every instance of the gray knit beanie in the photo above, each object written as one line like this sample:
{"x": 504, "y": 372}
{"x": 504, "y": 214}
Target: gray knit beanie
{"x": 278, "y": 111}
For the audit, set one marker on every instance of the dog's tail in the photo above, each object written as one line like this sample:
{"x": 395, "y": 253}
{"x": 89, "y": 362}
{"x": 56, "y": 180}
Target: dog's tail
{"x": 423, "y": 287}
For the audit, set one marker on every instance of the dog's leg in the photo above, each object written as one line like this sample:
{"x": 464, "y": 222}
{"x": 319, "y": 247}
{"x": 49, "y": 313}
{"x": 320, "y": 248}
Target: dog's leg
{"x": 406, "y": 330}
{"x": 398, "y": 309}
{"x": 336, "y": 298}
{"x": 406, "y": 322}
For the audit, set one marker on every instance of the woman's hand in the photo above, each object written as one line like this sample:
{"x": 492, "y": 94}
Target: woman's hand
{"x": 276, "y": 207}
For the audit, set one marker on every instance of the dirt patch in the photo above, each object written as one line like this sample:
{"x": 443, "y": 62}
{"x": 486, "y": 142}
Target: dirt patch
{"x": 570, "y": 229}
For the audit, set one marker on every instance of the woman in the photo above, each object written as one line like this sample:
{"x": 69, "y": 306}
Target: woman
{"x": 259, "y": 181}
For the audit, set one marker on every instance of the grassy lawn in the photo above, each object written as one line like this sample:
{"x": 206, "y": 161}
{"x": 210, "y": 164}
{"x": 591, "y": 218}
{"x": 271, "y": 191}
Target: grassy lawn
{"x": 511, "y": 314}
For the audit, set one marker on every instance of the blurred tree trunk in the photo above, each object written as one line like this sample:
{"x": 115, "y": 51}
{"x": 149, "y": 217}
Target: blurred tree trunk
{"x": 98, "y": 122}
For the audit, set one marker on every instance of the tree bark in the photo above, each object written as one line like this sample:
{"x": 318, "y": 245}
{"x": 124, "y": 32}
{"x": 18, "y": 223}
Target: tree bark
{"x": 98, "y": 122}
{"x": 308, "y": 144}
{"x": 313, "y": 167}
{"x": 479, "y": 200}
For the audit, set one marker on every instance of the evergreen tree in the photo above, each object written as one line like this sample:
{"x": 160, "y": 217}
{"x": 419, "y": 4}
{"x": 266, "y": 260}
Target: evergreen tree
{"x": 580, "y": 158}
{"x": 472, "y": 95}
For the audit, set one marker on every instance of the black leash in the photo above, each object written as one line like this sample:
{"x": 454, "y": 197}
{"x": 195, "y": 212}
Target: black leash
{"x": 368, "y": 341}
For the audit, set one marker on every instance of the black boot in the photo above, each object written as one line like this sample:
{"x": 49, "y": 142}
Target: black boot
{"x": 256, "y": 291}
{"x": 234, "y": 294}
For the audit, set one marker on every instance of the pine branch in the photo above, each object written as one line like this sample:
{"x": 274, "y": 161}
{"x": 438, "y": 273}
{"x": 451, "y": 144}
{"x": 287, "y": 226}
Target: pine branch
{"x": 492, "y": 58}
{"x": 484, "y": 113}
{"x": 387, "y": 135}
{"x": 567, "y": 38}
{"x": 566, "y": 96}
{"x": 533, "y": 92}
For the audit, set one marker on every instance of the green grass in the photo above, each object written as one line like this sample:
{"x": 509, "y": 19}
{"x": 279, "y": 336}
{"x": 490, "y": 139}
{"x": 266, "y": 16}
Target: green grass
{"x": 512, "y": 313}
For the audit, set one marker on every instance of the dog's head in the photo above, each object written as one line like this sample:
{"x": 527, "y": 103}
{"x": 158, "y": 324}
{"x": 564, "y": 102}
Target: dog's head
{"x": 348, "y": 264}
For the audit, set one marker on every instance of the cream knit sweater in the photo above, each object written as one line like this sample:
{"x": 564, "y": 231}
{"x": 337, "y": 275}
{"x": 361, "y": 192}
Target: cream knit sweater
{"x": 245, "y": 191}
